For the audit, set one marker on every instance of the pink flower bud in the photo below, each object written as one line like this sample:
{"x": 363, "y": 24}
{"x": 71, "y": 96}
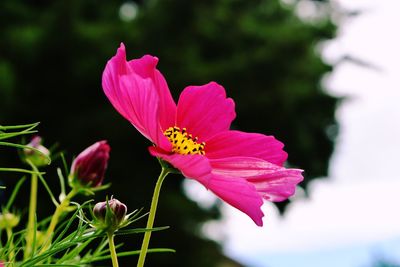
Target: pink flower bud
{"x": 112, "y": 217}
{"x": 37, "y": 158}
{"x": 90, "y": 165}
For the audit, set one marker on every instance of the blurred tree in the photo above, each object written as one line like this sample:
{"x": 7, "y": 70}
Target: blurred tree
{"x": 385, "y": 263}
{"x": 52, "y": 54}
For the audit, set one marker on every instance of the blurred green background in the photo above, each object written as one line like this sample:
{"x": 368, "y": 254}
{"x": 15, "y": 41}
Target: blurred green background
{"x": 52, "y": 54}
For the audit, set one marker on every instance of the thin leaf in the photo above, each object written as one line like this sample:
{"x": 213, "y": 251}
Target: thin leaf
{"x": 31, "y": 125}
{"x": 102, "y": 187}
{"x": 26, "y": 147}
{"x": 61, "y": 265}
{"x": 14, "y": 193}
{"x": 75, "y": 252}
{"x": 20, "y": 170}
{"x": 65, "y": 165}
{"x": 62, "y": 184}
{"x": 65, "y": 228}
{"x": 129, "y": 253}
{"x": 44, "y": 183}
{"x": 4, "y": 136}
{"x": 140, "y": 230}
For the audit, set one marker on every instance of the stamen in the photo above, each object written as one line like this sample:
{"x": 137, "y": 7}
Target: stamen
{"x": 184, "y": 143}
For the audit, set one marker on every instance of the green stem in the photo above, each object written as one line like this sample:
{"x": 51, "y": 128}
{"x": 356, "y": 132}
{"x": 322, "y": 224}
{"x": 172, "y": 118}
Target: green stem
{"x": 113, "y": 252}
{"x": 152, "y": 214}
{"x": 55, "y": 218}
{"x": 31, "y": 217}
{"x": 9, "y": 235}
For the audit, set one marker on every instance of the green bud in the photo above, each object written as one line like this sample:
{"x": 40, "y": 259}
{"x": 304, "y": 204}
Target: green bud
{"x": 8, "y": 220}
{"x": 109, "y": 215}
{"x": 37, "y": 158}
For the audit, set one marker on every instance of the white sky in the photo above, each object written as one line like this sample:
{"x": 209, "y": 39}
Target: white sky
{"x": 359, "y": 203}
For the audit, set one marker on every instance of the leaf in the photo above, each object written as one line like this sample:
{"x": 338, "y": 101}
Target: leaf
{"x": 20, "y": 170}
{"x": 44, "y": 183}
{"x": 14, "y": 193}
{"x": 130, "y": 253}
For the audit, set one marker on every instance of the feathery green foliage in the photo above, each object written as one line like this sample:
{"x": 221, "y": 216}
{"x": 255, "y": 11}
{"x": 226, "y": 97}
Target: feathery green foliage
{"x": 74, "y": 241}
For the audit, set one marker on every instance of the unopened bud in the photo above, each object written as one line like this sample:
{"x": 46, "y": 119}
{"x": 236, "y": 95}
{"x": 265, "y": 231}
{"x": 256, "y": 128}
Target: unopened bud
{"x": 90, "y": 165}
{"x": 8, "y": 220}
{"x": 111, "y": 216}
{"x": 37, "y": 158}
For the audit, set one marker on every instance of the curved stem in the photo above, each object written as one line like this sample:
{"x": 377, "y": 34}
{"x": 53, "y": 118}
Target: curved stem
{"x": 152, "y": 214}
{"x": 55, "y": 218}
{"x": 113, "y": 252}
{"x": 11, "y": 247}
{"x": 31, "y": 217}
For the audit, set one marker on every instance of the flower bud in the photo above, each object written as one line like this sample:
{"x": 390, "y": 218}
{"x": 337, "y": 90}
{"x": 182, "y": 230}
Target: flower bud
{"x": 8, "y": 220}
{"x": 111, "y": 216}
{"x": 90, "y": 165}
{"x": 37, "y": 158}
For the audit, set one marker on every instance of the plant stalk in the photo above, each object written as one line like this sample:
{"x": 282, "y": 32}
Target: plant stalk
{"x": 55, "y": 218}
{"x": 152, "y": 214}
{"x": 113, "y": 252}
{"x": 31, "y": 217}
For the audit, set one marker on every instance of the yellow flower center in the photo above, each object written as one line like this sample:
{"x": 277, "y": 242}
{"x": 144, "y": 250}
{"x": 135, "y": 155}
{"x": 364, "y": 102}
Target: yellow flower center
{"x": 184, "y": 143}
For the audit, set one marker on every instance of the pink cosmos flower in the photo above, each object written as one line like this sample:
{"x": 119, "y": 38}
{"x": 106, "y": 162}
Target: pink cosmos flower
{"x": 194, "y": 137}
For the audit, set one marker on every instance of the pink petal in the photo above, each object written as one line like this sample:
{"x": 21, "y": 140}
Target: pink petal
{"x": 240, "y": 194}
{"x": 235, "y": 143}
{"x": 192, "y": 166}
{"x": 273, "y": 182}
{"x": 115, "y": 67}
{"x": 146, "y": 68}
{"x": 235, "y": 191}
{"x": 205, "y": 110}
{"x": 137, "y": 97}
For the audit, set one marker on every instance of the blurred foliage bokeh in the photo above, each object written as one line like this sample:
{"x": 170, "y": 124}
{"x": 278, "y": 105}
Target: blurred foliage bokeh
{"x": 52, "y": 54}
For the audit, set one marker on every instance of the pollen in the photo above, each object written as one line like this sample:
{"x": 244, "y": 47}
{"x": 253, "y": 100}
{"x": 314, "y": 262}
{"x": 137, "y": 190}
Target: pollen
{"x": 184, "y": 143}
